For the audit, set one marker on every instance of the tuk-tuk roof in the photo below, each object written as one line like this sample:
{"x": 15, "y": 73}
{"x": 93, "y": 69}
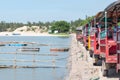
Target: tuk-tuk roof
{"x": 113, "y": 6}
{"x": 99, "y": 15}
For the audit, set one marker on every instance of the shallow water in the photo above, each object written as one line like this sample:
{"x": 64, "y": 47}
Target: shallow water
{"x": 35, "y": 73}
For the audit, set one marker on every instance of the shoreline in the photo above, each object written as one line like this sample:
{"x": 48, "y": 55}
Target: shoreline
{"x": 80, "y": 67}
{"x": 27, "y": 34}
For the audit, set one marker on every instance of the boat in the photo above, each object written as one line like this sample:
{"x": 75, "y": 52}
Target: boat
{"x": 16, "y": 34}
{"x": 59, "y": 49}
{"x": 29, "y": 49}
{"x": 16, "y": 44}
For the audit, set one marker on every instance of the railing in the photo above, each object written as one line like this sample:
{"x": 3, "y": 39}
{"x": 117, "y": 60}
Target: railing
{"x": 33, "y": 58}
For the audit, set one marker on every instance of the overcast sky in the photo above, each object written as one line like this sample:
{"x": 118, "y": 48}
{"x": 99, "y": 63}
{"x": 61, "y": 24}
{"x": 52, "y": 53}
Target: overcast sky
{"x": 49, "y": 10}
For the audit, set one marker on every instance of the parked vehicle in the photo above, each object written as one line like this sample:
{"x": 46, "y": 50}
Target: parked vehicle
{"x": 101, "y": 37}
{"x": 109, "y": 38}
{"x": 85, "y": 36}
{"x": 94, "y": 48}
{"x": 79, "y": 36}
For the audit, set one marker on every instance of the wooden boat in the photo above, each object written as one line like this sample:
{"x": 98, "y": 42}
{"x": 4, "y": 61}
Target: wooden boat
{"x": 16, "y": 44}
{"x": 16, "y": 34}
{"x": 29, "y": 49}
{"x": 2, "y": 44}
{"x": 59, "y": 49}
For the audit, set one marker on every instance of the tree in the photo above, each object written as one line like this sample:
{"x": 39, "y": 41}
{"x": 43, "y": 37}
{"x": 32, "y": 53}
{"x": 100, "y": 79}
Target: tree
{"x": 29, "y": 24}
{"x": 87, "y": 20}
{"x": 61, "y": 26}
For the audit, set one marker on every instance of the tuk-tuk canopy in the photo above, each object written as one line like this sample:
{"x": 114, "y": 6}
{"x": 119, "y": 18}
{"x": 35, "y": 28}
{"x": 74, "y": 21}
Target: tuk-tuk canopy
{"x": 99, "y": 15}
{"x": 113, "y": 6}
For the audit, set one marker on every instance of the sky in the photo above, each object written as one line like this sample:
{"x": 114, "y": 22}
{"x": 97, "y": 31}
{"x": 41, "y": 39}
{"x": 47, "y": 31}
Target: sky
{"x": 49, "y": 10}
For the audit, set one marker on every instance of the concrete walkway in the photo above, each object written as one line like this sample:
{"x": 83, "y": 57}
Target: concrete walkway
{"x": 81, "y": 64}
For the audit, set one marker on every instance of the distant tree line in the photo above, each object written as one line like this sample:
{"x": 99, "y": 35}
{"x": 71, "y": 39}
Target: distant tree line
{"x": 5, "y": 26}
{"x": 79, "y": 23}
{"x": 61, "y": 26}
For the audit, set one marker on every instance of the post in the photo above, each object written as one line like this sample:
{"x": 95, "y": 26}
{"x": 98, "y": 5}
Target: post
{"x": 15, "y": 59}
{"x": 94, "y": 22}
{"x": 34, "y": 60}
{"x": 89, "y": 26}
{"x": 106, "y": 22}
{"x": 53, "y": 60}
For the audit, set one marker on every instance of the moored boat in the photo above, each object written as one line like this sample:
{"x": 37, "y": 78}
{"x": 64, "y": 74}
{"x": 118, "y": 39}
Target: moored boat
{"x": 29, "y": 49}
{"x": 59, "y": 49}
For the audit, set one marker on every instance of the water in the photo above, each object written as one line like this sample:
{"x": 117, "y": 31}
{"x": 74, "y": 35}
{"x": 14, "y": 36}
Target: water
{"x": 35, "y": 73}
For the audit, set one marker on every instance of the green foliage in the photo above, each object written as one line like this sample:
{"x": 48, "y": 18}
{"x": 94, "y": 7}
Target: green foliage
{"x": 9, "y": 26}
{"x": 79, "y": 22}
{"x": 61, "y": 26}
{"x": 4, "y": 26}
{"x": 76, "y": 23}
{"x": 87, "y": 20}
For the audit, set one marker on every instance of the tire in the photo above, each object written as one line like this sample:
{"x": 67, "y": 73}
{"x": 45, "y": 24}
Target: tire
{"x": 95, "y": 58}
{"x": 86, "y": 47}
{"x": 104, "y": 70}
{"x": 94, "y": 64}
{"x": 91, "y": 54}
{"x": 105, "y": 73}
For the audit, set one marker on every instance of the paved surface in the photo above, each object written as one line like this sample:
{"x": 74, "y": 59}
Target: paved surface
{"x": 81, "y": 64}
